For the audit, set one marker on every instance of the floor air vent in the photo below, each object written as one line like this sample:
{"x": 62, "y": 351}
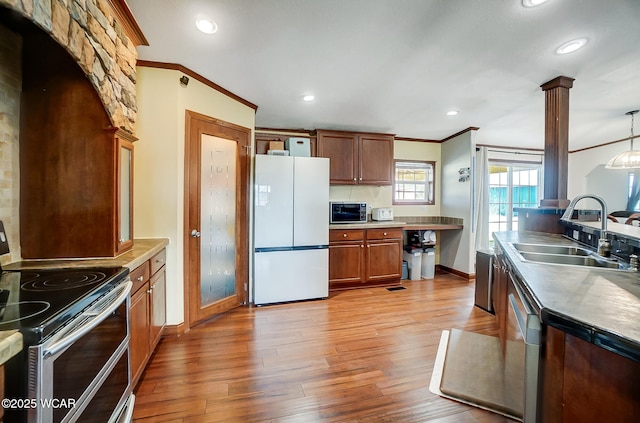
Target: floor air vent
{"x": 396, "y": 288}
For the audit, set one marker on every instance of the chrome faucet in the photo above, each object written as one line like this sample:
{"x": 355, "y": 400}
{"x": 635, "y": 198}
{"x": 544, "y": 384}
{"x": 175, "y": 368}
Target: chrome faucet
{"x": 604, "y": 246}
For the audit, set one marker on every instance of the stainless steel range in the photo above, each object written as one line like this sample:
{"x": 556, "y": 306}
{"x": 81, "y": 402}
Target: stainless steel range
{"x": 75, "y": 362}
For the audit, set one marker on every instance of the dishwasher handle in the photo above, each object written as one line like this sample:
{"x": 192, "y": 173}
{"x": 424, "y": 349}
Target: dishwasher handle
{"x": 528, "y": 321}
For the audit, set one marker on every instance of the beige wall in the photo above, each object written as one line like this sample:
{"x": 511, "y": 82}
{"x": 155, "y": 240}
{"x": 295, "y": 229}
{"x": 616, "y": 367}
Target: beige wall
{"x": 159, "y": 162}
{"x": 457, "y": 247}
{"x": 382, "y": 196}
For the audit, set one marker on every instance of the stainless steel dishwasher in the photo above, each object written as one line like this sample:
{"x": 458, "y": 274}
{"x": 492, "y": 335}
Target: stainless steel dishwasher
{"x": 524, "y": 326}
{"x": 484, "y": 279}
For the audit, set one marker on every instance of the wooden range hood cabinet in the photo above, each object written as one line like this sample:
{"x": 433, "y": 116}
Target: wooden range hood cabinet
{"x": 69, "y": 160}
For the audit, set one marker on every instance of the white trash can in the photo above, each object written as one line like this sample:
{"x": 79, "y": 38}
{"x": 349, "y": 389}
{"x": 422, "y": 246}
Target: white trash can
{"x": 428, "y": 264}
{"x": 413, "y": 258}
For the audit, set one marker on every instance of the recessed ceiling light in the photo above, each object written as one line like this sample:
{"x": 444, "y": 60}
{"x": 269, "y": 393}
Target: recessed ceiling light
{"x": 309, "y": 97}
{"x": 571, "y": 46}
{"x": 206, "y": 25}
{"x": 452, "y": 112}
{"x": 532, "y": 3}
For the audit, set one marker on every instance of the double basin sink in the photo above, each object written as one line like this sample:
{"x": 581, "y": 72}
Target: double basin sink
{"x": 566, "y": 255}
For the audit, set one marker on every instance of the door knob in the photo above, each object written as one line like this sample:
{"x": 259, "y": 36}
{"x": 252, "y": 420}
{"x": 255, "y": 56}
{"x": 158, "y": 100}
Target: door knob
{"x": 195, "y": 233}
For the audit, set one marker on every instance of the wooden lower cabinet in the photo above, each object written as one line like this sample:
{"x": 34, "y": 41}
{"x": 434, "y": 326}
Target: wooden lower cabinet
{"x": 147, "y": 315}
{"x": 364, "y": 257}
{"x": 582, "y": 382}
{"x": 139, "y": 350}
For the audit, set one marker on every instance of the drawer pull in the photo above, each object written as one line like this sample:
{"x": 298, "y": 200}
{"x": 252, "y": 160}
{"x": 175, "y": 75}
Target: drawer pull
{"x": 140, "y": 278}
{"x": 344, "y": 235}
{"x": 384, "y": 233}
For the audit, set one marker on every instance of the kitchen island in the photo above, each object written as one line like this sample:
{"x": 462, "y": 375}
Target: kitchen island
{"x": 590, "y": 351}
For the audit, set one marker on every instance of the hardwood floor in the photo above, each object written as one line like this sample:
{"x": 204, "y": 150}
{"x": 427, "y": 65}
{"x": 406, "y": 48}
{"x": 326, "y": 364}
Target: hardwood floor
{"x": 360, "y": 356}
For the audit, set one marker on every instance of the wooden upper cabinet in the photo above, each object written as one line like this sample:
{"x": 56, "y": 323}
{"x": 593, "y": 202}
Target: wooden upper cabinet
{"x": 357, "y": 158}
{"x": 376, "y": 159}
{"x": 124, "y": 192}
{"x": 342, "y": 150}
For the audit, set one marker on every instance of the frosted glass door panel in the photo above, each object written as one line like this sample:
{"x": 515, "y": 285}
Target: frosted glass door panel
{"x": 311, "y": 201}
{"x": 217, "y": 219}
{"x": 273, "y": 201}
{"x": 125, "y": 194}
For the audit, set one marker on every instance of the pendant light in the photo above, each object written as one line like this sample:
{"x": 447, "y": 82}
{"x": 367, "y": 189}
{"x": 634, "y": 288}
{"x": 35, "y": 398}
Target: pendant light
{"x": 629, "y": 159}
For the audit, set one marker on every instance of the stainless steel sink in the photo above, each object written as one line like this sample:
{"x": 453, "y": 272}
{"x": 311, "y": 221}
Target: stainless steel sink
{"x": 552, "y": 249}
{"x": 566, "y": 255}
{"x": 574, "y": 260}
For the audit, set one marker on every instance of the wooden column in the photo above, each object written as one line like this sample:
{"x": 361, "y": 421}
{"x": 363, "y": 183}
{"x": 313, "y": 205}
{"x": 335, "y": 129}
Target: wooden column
{"x": 556, "y": 142}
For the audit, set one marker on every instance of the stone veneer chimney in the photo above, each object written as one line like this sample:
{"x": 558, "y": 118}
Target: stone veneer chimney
{"x": 96, "y": 33}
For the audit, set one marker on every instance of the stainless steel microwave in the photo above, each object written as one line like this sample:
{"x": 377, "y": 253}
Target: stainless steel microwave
{"x": 347, "y": 212}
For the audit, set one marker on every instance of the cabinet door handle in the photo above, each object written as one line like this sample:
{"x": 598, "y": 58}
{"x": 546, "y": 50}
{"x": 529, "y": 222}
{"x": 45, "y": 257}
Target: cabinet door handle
{"x": 354, "y": 179}
{"x": 149, "y": 291}
{"x": 140, "y": 278}
{"x": 195, "y": 233}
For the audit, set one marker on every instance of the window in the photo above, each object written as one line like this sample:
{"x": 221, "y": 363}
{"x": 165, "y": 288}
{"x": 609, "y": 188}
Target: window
{"x": 413, "y": 182}
{"x": 511, "y": 185}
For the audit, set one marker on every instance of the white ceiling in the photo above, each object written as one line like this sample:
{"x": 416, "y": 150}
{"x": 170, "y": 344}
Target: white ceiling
{"x": 396, "y": 66}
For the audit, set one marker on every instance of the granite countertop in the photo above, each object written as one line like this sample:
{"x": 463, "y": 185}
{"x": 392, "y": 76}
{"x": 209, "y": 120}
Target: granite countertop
{"x": 10, "y": 344}
{"x": 368, "y": 225}
{"x": 601, "y": 306}
{"x": 143, "y": 250}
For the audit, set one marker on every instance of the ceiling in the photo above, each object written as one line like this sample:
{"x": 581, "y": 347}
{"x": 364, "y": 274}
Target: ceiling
{"x": 397, "y": 66}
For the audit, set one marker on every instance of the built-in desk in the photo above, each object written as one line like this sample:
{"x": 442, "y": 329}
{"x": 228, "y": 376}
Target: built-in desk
{"x": 370, "y": 254}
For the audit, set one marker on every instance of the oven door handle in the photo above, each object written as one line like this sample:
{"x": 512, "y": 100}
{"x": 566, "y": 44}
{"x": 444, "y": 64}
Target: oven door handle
{"x": 127, "y": 417}
{"x": 122, "y": 292}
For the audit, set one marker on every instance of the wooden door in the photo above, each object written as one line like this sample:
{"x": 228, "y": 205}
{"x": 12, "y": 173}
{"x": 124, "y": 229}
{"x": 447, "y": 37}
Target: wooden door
{"x": 216, "y": 233}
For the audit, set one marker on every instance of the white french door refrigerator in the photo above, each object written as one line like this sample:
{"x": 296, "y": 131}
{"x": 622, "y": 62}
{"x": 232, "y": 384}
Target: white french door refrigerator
{"x": 291, "y": 229}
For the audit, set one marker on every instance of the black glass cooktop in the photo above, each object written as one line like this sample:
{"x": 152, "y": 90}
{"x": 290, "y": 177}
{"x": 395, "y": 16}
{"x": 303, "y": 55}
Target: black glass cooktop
{"x": 38, "y": 302}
